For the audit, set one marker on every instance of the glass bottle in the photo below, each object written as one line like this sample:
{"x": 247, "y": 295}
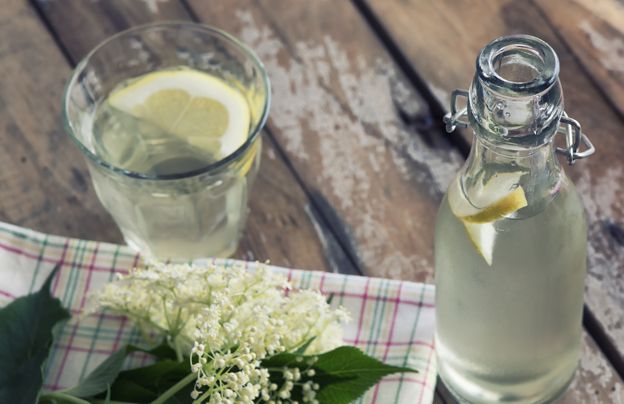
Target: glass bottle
{"x": 511, "y": 235}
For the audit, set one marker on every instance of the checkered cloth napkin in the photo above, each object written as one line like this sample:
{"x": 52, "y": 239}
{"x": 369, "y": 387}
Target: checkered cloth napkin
{"x": 392, "y": 320}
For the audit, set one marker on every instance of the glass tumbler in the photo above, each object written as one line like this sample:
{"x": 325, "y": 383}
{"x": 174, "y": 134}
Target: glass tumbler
{"x": 185, "y": 214}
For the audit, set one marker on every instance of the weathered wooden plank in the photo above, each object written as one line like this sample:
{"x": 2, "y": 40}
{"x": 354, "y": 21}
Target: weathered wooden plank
{"x": 43, "y": 181}
{"x": 441, "y": 40}
{"x": 80, "y": 25}
{"x": 594, "y": 32}
{"x": 596, "y": 381}
{"x": 54, "y": 173}
{"x": 358, "y": 135}
{"x": 370, "y": 230}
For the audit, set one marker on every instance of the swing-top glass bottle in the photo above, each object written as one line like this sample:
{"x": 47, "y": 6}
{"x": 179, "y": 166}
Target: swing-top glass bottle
{"x": 511, "y": 234}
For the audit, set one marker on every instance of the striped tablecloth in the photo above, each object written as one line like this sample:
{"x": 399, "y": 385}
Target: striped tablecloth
{"x": 392, "y": 320}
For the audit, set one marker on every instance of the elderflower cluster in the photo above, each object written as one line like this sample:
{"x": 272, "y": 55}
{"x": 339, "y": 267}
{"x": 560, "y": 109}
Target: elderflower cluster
{"x": 301, "y": 375}
{"x": 228, "y": 320}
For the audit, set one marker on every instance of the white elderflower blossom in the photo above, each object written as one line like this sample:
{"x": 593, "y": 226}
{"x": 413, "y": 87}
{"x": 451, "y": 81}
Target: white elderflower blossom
{"x": 227, "y": 320}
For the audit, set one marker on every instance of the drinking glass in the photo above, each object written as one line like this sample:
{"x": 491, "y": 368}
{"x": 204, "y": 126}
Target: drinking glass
{"x": 188, "y": 213}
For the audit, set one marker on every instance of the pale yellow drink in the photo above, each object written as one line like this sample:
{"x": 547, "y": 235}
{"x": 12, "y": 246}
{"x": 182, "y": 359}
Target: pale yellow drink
{"x": 511, "y": 235}
{"x": 169, "y": 118}
{"x": 168, "y": 124}
{"x": 509, "y": 329}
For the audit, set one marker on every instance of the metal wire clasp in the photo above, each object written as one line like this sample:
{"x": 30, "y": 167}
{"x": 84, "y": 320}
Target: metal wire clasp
{"x": 453, "y": 118}
{"x": 574, "y": 137}
{"x": 567, "y": 126}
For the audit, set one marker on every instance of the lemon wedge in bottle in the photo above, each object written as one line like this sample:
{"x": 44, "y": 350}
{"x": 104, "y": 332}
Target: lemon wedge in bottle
{"x": 487, "y": 201}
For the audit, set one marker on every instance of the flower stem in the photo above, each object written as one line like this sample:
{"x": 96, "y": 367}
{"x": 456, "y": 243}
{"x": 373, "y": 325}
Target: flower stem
{"x": 175, "y": 388}
{"x": 65, "y": 398}
{"x": 176, "y": 343}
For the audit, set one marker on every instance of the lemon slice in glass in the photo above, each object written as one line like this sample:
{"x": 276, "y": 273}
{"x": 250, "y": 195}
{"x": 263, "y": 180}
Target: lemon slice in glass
{"x": 487, "y": 202}
{"x": 197, "y": 107}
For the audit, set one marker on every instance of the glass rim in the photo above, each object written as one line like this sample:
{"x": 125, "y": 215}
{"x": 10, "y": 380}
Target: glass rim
{"x": 216, "y": 32}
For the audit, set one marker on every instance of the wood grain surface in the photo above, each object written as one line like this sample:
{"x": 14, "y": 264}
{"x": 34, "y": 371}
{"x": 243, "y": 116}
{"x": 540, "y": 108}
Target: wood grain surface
{"x": 44, "y": 183}
{"x": 356, "y": 134}
{"x": 44, "y": 180}
{"x": 440, "y": 40}
{"x": 354, "y": 130}
{"x": 594, "y": 32}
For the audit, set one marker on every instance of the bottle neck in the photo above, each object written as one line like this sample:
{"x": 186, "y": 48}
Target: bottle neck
{"x": 514, "y": 107}
{"x": 515, "y": 97}
{"x": 538, "y": 170}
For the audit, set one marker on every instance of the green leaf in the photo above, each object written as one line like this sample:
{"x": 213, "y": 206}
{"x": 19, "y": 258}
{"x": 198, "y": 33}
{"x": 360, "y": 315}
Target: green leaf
{"x": 360, "y": 371}
{"x": 136, "y": 385}
{"x": 127, "y": 390}
{"x": 26, "y": 335}
{"x": 343, "y": 374}
{"x": 157, "y": 373}
{"x": 301, "y": 350}
{"x": 162, "y": 351}
{"x": 100, "y": 379}
{"x": 148, "y": 382}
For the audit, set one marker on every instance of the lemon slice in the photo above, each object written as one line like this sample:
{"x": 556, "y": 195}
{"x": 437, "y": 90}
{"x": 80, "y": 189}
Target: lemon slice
{"x": 483, "y": 238}
{"x": 199, "y": 108}
{"x": 488, "y": 202}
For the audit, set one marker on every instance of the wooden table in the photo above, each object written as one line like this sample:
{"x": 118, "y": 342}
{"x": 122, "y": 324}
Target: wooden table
{"x": 355, "y": 159}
